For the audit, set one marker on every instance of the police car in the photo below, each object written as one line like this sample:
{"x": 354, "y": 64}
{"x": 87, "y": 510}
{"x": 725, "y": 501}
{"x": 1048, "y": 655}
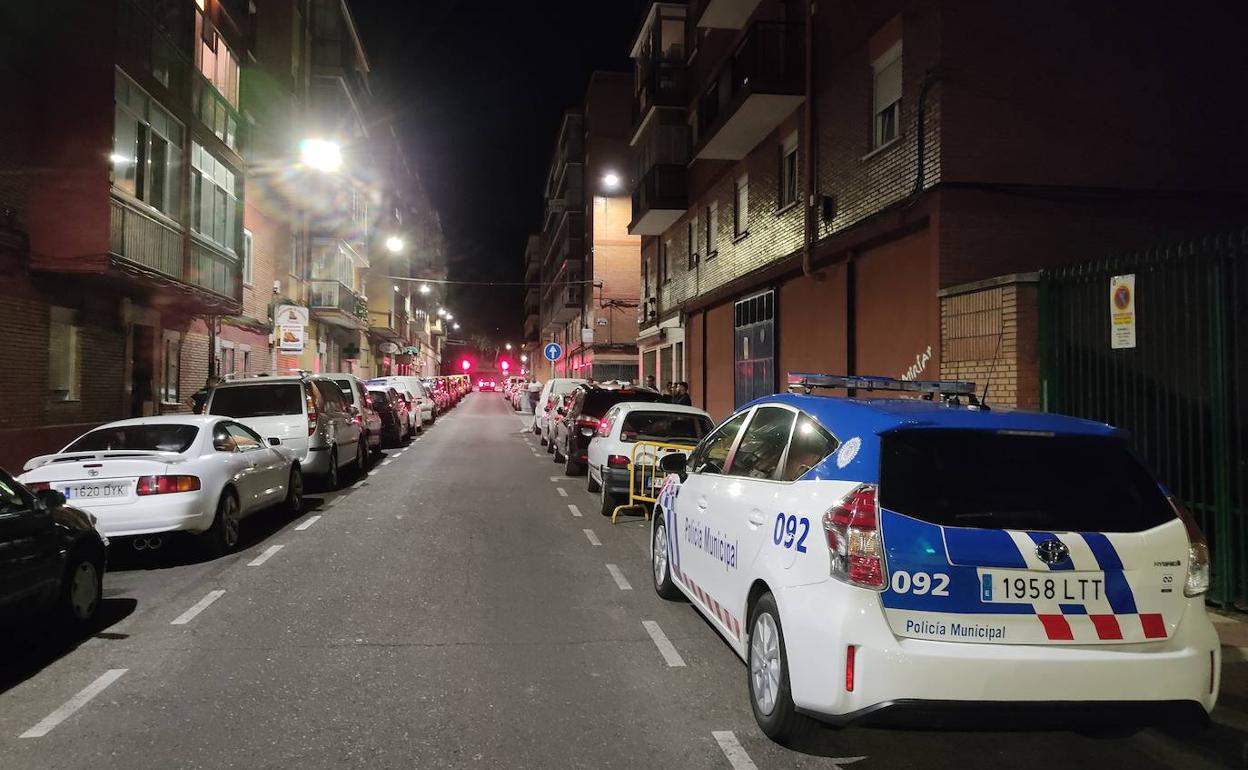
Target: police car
{"x": 904, "y": 560}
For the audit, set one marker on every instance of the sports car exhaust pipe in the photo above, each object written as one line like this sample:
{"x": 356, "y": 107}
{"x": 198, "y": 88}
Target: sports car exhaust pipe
{"x": 148, "y": 543}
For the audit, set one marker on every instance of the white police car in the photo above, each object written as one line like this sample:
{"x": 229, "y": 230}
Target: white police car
{"x": 901, "y": 561}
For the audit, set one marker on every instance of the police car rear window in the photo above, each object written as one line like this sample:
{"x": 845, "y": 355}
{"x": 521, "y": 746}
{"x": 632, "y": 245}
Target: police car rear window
{"x": 1016, "y": 480}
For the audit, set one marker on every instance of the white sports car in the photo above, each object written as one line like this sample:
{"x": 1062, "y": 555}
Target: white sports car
{"x": 146, "y": 477}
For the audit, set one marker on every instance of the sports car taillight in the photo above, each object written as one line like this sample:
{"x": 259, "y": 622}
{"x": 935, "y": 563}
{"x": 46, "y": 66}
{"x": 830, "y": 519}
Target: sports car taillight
{"x": 1197, "y": 552}
{"x": 38, "y": 486}
{"x": 164, "y": 485}
{"x": 853, "y": 534}
{"x": 617, "y": 461}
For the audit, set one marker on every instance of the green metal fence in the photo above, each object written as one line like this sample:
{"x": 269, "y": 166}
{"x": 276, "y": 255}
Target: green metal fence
{"x": 1181, "y": 391}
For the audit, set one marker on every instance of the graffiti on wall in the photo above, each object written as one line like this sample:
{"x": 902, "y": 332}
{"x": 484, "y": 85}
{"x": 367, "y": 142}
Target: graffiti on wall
{"x": 920, "y": 365}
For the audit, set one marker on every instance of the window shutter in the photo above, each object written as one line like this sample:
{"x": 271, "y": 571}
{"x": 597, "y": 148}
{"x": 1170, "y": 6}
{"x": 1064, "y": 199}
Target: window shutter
{"x": 887, "y": 84}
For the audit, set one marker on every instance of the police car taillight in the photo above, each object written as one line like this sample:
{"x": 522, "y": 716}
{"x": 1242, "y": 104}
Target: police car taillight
{"x": 853, "y": 534}
{"x": 1197, "y": 552}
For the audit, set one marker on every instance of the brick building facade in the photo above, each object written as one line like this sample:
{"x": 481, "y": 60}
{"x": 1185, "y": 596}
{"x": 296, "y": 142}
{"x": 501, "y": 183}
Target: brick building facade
{"x": 1040, "y": 145}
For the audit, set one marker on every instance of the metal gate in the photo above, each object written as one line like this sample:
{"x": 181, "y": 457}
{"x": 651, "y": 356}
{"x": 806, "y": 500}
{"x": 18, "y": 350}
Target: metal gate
{"x": 1180, "y": 391}
{"x": 755, "y": 342}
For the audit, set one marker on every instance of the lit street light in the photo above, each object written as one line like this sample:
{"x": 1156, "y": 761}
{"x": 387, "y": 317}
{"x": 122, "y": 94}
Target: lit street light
{"x": 523, "y": 358}
{"x": 394, "y": 244}
{"x": 450, "y": 317}
{"x": 455, "y": 327}
{"x": 611, "y": 180}
{"x": 424, "y": 288}
{"x": 321, "y": 155}
{"x": 508, "y": 346}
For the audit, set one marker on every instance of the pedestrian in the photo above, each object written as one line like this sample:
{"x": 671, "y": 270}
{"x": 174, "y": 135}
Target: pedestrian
{"x": 650, "y": 381}
{"x": 667, "y": 392}
{"x": 535, "y": 390}
{"x": 200, "y": 397}
{"x": 682, "y": 394}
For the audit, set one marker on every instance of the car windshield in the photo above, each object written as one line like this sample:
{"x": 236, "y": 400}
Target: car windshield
{"x": 996, "y": 480}
{"x": 266, "y": 400}
{"x": 669, "y": 426}
{"x": 151, "y": 438}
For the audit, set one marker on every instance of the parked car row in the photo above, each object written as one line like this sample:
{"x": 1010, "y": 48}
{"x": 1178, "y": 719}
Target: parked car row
{"x": 144, "y": 480}
{"x": 595, "y": 430}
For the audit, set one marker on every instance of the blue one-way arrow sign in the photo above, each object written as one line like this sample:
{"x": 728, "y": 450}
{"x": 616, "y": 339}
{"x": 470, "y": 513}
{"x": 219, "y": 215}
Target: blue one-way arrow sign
{"x": 552, "y": 351}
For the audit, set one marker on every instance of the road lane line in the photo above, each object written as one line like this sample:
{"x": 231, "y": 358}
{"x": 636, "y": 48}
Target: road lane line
{"x": 67, "y": 710}
{"x": 562, "y": 492}
{"x": 374, "y": 472}
{"x": 358, "y": 484}
{"x": 386, "y": 462}
{"x": 666, "y": 649}
{"x": 262, "y": 558}
{"x": 334, "y": 502}
{"x": 591, "y": 537}
{"x": 574, "y": 510}
{"x": 312, "y": 520}
{"x": 620, "y": 580}
{"x": 560, "y": 478}
{"x": 199, "y": 606}
{"x": 733, "y": 750}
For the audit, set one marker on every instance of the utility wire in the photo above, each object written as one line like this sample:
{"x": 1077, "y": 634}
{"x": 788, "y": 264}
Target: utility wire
{"x": 484, "y": 283}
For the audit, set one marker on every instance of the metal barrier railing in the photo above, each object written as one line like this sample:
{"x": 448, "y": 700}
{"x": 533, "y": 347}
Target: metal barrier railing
{"x": 643, "y": 485}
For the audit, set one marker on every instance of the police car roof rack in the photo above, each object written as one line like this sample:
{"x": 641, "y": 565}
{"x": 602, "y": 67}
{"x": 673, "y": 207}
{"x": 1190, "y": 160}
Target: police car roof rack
{"x": 949, "y": 390}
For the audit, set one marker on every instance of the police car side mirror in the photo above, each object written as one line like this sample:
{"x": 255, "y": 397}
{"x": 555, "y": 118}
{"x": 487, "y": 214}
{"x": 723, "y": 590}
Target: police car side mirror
{"x": 676, "y": 462}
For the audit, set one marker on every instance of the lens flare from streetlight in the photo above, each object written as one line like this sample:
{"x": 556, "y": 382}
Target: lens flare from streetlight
{"x": 321, "y": 155}
{"x": 394, "y": 244}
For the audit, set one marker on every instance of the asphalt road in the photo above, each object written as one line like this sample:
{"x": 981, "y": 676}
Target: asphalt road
{"x": 451, "y": 611}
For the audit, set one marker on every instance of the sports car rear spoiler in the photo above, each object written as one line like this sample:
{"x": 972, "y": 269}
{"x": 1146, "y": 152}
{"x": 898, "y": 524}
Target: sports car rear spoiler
{"x": 77, "y": 457}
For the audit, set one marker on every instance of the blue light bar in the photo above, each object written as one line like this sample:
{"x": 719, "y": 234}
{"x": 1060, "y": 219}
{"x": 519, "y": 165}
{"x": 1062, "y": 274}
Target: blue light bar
{"x": 804, "y": 382}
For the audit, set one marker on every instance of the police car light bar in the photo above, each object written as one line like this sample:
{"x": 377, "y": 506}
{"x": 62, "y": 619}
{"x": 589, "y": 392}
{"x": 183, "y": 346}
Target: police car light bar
{"x": 803, "y": 383}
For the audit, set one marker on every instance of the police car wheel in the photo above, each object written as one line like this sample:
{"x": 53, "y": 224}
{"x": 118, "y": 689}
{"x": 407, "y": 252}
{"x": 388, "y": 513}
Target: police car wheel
{"x": 663, "y": 585}
{"x": 771, "y": 699}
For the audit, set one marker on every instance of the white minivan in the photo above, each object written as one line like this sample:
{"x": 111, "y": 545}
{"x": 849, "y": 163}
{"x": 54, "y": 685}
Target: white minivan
{"x": 552, "y": 391}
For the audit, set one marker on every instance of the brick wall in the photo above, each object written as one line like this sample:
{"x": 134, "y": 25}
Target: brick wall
{"x": 616, "y": 264}
{"x": 989, "y": 334}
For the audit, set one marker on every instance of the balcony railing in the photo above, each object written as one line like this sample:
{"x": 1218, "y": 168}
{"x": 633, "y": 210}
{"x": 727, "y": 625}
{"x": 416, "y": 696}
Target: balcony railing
{"x": 662, "y": 83}
{"x": 660, "y": 199}
{"x": 766, "y": 73}
{"x": 333, "y": 295}
{"x": 532, "y": 325}
{"x": 139, "y": 237}
{"x": 531, "y": 300}
{"x": 566, "y": 241}
{"x": 565, "y": 294}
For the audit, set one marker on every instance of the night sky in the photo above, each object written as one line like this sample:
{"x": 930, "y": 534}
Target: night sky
{"x": 477, "y": 89}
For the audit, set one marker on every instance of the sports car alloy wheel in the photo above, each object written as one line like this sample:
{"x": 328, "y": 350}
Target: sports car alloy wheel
{"x": 765, "y": 663}
{"x": 229, "y": 514}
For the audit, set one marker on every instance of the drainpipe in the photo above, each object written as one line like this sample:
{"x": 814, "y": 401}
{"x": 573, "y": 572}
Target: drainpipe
{"x": 808, "y": 126}
{"x": 929, "y": 78}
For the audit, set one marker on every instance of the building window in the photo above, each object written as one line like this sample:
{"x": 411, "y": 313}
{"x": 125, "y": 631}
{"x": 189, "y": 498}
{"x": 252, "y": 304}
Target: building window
{"x": 62, "y": 354}
{"x": 691, "y": 247}
{"x": 741, "y": 206}
{"x": 665, "y": 267}
{"x": 247, "y": 258}
{"x": 712, "y": 228}
{"x": 214, "y": 203}
{"x": 246, "y": 361}
{"x": 887, "y": 95}
{"x": 228, "y": 359}
{"x": 147, "y": 149}
{"x": 170, "y": 367}
{"x": 216, "y": 62}
{"x": 788, "y": 171}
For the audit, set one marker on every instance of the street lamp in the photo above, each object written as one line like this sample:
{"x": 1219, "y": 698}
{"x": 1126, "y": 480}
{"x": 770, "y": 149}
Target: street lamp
{"x": 508, "y": 346}
{"x": 524, "y": 359}
{"x": 394, "y": 244}
{"x": 424, "y": 288}
{"x": 611, "y": 180}
{"x": 455, "y": 327}
{"x": 321, "y": 155}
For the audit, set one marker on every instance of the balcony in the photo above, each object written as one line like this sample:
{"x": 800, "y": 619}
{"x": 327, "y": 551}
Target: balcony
{"x": 334, "y": 303}
{"x": 659, "y": 200}
{"x": 727, "y": 14}
{"x": 567, "y": 242}
{"x": 661, "y": 83}
{"x": 532, "y": 327}
{"x": 565, "y": 295}
{"x": 391, "y": 326}
{"x": 531, "y": 300}
{"x": 144, "y": 243}
{"x": 754, "y": 92}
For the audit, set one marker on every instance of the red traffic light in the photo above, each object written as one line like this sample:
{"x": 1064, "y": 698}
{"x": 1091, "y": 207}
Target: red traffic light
{"x": 465, "y": 364}
{"x": 506, "y": 365}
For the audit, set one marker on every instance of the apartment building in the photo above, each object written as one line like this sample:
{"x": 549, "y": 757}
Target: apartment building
{"x": 815, "y": 186}
{"x": 588, "y": 270}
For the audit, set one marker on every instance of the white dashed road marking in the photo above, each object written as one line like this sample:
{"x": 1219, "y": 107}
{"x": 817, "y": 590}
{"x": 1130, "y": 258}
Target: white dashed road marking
{"x": 312, "y": 520}
{"x": 262, "y": 558}
{"x": 620, "y": 580}
{"x": 733, "y": 750}
{"x": 199, "y": 606}
{"x": 575, "y": 511}
{"x": 591, "y": 537}
{"x": 67, "y": 710}
{"x": 386, "y": 462}
{"x": 562, "y": 492}
{"x": 560, "y": 478}
{"x": 666, "y": 649}
{"x": 358, "y": 484}
{"x": 373, "y": 473}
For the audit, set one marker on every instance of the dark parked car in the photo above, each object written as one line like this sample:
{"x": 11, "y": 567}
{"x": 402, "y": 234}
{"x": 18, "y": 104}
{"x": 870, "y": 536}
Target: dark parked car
{"x": 51, "y": 557}
{"x": 578, "y": 420}
{"x": 393, "y": 411}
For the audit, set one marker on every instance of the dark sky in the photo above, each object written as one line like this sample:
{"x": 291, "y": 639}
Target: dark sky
{"x": 478, "y": 88}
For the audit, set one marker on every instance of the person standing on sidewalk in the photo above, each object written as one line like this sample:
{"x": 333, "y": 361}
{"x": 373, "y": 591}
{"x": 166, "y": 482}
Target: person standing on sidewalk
{"x": 682, "y": 394}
